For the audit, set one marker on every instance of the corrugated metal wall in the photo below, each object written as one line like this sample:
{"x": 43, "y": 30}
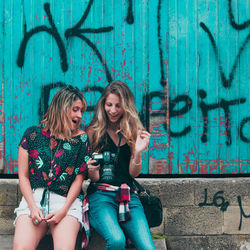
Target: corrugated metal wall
{"x": 187, "y": 62}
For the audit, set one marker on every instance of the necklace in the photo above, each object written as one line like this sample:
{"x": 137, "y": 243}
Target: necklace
{"x": 52, "y": 160}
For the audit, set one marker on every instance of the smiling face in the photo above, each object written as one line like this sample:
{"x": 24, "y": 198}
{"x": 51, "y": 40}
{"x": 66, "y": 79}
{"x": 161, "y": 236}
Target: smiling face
{"x": 75, "y": 114}
{"x": 113, "y": 108}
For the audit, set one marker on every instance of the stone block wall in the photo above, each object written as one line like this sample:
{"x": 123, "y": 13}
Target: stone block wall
{"x": 198, "y": 213}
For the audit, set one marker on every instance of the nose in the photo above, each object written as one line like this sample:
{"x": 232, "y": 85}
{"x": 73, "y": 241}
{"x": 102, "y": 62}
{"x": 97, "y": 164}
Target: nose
{"x": 113, "y": 110}
{"x": 79, "y": 114}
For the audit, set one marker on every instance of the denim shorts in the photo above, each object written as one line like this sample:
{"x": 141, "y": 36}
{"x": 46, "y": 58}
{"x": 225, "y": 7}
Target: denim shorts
{"x": 56, "y": 202}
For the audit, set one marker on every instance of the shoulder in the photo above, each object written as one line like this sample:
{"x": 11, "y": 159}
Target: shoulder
{"x": 83, "y": 136}
{"x": 29, "y": 137}
{"x": 80, "y": 132}
{"x": 32, "y": 129}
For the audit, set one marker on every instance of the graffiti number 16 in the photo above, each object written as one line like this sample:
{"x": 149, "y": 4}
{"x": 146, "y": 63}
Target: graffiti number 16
{"x": 218, "y": 201}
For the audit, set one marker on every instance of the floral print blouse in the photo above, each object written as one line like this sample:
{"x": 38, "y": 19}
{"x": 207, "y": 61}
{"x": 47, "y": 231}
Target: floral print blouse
{"x": 54, "y": 163}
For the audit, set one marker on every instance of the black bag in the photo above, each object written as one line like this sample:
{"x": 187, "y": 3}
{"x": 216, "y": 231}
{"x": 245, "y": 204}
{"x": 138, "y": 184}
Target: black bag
{"x": 152, "y": 206}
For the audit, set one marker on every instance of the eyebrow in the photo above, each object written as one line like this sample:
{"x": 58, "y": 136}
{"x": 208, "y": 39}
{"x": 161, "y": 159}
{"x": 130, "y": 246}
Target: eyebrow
{"x": 78, "y": 107}
{"x": 118, "y": 103}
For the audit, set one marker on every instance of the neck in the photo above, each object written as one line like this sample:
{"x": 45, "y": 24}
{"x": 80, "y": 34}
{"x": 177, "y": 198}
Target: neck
{"x": 74, "y": 132}
{"x": 113, "y": 126}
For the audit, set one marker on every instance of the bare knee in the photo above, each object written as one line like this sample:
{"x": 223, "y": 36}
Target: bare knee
{"x": 28, "y": 236}
{"x": 20, "y": 245}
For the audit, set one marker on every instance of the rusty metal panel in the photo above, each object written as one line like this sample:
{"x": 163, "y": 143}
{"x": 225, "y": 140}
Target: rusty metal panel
{"x": 187, "y": 63}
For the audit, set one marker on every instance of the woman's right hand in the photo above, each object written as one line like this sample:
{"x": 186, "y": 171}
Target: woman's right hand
{"x": 36, "y": 215}
{"x": 93, "y": 170}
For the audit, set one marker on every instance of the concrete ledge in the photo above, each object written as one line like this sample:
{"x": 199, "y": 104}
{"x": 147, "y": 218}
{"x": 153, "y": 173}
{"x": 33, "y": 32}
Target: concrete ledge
{"x": 96, "y": 243}
{"x": 6, "y": 242}
{"x": 225, "y": 242}
{"x": 199, "y": 213}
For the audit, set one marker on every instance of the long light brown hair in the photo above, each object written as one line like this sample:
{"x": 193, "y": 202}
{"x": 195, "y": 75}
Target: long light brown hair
{"x": 56, "y": 118}
{"x": 129, "y": 123}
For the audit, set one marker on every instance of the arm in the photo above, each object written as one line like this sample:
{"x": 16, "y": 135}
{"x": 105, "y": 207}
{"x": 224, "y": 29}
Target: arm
{"x": 93, "y": 171}
{"x": 25, "y": 186}
{"x": 141, "y": 144}
{"x": 74, "y": 191}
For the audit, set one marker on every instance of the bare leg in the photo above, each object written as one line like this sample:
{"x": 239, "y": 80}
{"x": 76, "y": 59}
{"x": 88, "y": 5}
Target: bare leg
{"x": 27, "y": 234}
{"x": 65, "y": 233}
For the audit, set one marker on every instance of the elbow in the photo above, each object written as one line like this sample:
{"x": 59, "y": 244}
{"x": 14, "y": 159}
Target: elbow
{"x": 134, "y": 173}
{"x": 94, "y": 179}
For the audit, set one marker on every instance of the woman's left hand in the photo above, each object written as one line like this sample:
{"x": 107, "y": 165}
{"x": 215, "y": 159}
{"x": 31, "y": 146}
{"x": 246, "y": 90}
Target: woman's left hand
{"x": 56, "y": 216}
{"x": 142, "y": 141}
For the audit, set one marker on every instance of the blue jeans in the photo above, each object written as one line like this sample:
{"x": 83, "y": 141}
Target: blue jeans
{"x": 103, "y": 217}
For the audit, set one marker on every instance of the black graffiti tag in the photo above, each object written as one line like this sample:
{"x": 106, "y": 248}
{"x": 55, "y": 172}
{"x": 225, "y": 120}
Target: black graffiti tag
{"x": 242, "y": 213}
{"x": 227, "y": 82}
{"x": 52, "y": 31}
{"x": 235, "y": 25}
{"x": 218, "y": 201}
{"x": 76, "y": 31}
{"x": 186, "y": 101}
{"x": 223, "y": 104}
{"x": 130, "y": 16}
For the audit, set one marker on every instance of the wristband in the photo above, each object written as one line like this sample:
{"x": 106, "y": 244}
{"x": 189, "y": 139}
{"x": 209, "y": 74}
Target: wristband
{"x": 137, "y": 164}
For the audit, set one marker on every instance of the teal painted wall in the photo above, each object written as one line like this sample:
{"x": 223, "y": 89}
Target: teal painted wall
{"x": 187, "y": 62}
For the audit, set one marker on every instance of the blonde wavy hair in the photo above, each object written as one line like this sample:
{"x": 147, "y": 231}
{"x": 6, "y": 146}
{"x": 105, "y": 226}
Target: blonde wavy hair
{"x": 56, "y": 118}
{"x": 129, "y": 123}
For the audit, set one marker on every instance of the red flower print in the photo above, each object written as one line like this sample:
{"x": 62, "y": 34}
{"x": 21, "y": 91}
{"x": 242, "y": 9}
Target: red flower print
{"x": 34, "y": 154}
{"x": 45, "y": 133}
{"x": 70, "y": 170}
{"x": 32, "y": 170}
{"x": 58, "y": 170}
{"x": 53, "y": 143}
{"x": 45, "y": 177}
{"x": 83, "y": 167}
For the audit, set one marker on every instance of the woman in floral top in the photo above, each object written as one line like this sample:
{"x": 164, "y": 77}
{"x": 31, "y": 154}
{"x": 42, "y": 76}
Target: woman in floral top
{"x": 51, "y": 167}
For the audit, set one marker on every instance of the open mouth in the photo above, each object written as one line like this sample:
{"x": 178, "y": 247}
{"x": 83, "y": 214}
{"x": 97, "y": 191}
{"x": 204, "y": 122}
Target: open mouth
{"x": 75, "y": 122}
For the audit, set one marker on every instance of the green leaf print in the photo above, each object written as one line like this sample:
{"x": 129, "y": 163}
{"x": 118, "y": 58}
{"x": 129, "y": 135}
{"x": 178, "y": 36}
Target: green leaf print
{"x": 67, "y": 146}
{"x": 84, "y": 137}
{"x": 86, "y": 158}
{"x": 62, "y": 176}
{"x": 39, "y": 162}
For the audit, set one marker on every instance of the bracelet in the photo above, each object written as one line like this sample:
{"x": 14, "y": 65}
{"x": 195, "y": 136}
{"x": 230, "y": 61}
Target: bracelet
{"x": 137, "y": 164}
